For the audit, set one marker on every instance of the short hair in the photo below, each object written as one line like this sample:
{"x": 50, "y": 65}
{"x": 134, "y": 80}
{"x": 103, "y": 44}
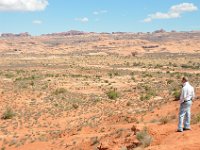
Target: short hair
{"x": 185, "y": 79}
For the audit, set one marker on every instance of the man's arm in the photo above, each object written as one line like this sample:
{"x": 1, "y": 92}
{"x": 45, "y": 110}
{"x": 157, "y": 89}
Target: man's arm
{"x": 183, "y": 96}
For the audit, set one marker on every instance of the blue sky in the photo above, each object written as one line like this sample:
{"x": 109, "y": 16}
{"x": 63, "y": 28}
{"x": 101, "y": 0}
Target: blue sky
{"x": 48, "y": 16}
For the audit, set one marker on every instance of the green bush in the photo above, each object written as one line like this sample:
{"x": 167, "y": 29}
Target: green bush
{"x": 113, "y": 73}
{"x": 176, "y": 94}
{"x": 112, "y": 94}
{"x": 9, "y": 75}
{"x": 8, "y": 114}
{"x": 133, "y": 78}
{"x": 148, "y": 95}
{"x": 145, "y": 97}
{"x": 59, "y": 91}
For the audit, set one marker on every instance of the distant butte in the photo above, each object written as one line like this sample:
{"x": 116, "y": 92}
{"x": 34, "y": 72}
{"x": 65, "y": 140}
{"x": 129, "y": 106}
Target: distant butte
{"x": 25, "y": 34}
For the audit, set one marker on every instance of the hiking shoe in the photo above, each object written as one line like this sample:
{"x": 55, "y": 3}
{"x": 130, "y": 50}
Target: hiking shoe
{"x": 184, "y": 129}
{"x": 179, "y": 130}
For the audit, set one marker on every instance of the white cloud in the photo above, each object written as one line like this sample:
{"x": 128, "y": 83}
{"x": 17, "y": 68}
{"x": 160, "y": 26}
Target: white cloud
{"x": 37, "y": 22}
{"x": 184, "y": 7}
{"x": 84, "y": 19}
{"x": 175, "y": 12}
{"x": 147, "y": 20}
{"x": 100, "y": 12}
{"x": 23, "y": 5}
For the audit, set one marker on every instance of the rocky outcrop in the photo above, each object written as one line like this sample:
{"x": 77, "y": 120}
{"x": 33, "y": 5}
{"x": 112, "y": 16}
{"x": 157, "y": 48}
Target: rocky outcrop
{"x": 160, "y": 31}
{"x": 25, "y": 34}
{"x": 68, "y": 33}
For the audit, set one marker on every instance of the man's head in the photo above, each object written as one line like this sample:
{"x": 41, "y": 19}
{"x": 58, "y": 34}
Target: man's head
{"x": 184, "y": 79}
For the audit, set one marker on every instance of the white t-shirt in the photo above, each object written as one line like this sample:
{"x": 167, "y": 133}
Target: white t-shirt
{"x": 187, "y": 92}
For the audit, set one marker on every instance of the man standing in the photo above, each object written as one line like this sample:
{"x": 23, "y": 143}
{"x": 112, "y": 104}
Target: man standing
{"x": 187, "y": 95}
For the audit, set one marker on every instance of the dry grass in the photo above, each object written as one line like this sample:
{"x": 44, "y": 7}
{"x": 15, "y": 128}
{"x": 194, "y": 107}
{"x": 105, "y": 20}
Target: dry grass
{"x": 144, "y": 138}
{"x": 56, "y": 96}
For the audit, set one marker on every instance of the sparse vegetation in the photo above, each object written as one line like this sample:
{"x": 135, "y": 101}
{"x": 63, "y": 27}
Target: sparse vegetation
{"x": 112, "y": 94}
{"x": 176, "y": 94}
{"x": 164, "y": 120}
{"x": 195, "y": 119}
{"x": 144, "y": 138}
{"x": 148, "y": 93}
{"x": 8, "y": 114}
{"x": 59, "y": 91}
{"x": 85, "y": 85}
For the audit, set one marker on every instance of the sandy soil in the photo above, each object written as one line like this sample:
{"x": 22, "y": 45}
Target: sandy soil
{"x": 97, "y": 92}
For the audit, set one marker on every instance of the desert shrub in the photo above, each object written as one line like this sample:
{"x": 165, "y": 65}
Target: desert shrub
{"x": 147, "y": 75}
{"x": 137, "y": 64}
{"x": 189, "y": 66}
{"x": 112, "y": 94}
{"x": 195, "y": 119}
{"x": 49, "y": 75}
{"x": 133, "y": 78}
{"x": 158, "y": 66}
{"x": 149, "y": 90}
{"x": 128, "y": 103}
{"x": 144, "y": 138}
{"x": 9, "y": 75}
{"x": 59, "y": 91}
{"x": 116, "y": 73}
{"x": 113, "y": 73}
{"x": 20, "y": 71}
{"x": 148, "y": 93}
{"x": 134, "y": 53}
{"x": 57, "y": 75}
{"x": 8, "y": 114}
{"x": 178, "y": 75}
{"x": 32, "y": 83}
{"x": 154, "y": 121}
{"x": 164, "y": 120}
{"x": 75, "y": 106}
{"x": 145, "y": 97}
{"x": 110, "y": 74}
{"x": 3, "y": 148}
{"x": 127, "y": 64}
{"x": 169, "y": 81}
{"x": 30, "y": 78}
{"x": 176, "y": 93}
{"x": 106, "y": 81}
{"x": 174, "y": 65}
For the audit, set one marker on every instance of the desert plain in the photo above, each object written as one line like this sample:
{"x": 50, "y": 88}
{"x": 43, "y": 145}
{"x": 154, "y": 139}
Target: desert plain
{"x": 97, "y": 91}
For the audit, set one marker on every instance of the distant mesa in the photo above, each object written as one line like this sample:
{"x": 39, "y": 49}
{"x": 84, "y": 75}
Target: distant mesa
{"x": 25, "y": 34}
{"x": 71, "y": 32}
{"x": 173, "y": 31}
{"x": 119, "y": 32}
{"x": 104, "y": 33}
{"x": 160, "y": 31}
{"x": 76, "y": 32}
